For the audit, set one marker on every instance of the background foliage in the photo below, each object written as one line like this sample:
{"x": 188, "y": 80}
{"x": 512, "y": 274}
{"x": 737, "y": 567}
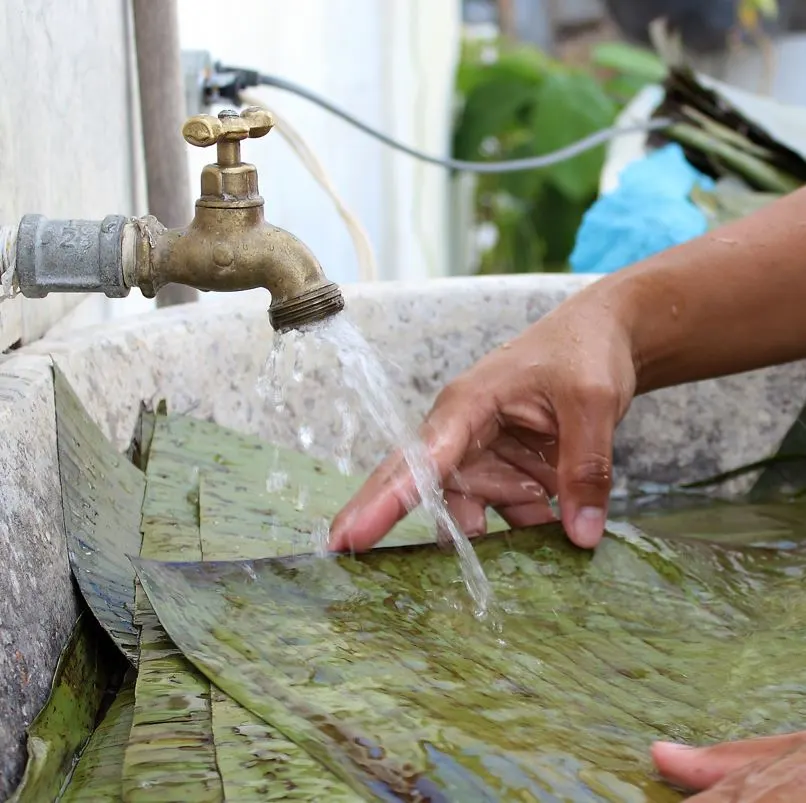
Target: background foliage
{"x": 517, "y": 102}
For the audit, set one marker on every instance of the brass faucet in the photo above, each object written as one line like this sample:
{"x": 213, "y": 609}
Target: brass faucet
{"x": 229, "y": 246}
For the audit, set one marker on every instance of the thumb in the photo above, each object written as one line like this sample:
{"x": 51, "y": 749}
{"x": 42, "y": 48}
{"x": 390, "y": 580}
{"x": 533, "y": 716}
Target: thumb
{"x": 702, "y": 767}
{"x": 585, "y": 464}
{"x": 391, "y": 490}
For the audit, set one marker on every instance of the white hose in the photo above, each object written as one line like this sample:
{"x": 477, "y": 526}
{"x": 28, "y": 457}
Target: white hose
{"x": 8, "y": 262}
{"x": 367, "y": 263}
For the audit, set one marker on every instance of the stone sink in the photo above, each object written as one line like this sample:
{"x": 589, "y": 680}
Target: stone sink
{"x": 205, "y": 359}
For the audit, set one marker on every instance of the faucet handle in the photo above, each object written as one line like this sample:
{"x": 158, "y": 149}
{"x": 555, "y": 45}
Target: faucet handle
{"x": 204, "y": 130}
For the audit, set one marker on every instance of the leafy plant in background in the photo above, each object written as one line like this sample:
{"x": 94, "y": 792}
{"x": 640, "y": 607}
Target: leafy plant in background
{"x": 517, "y": 102}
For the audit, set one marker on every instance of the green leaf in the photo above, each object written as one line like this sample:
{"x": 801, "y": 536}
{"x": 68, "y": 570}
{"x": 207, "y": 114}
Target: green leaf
{"x": 97, "y": 776}
{"x": 238, "y": 519}
{"x": 522, "y": 184}
{"x": 522, "y": 62}
{"x": 102, "y": 493}
{"x": 219, "y": 738}
{"x": 376, "y": 666}
{"x": 235, "y": 472}
{"x": 629, "y": 60}
{"x": 493, "y": 108}
{"x": 726, "y": 203}
{"x": 258, "y": 763}
{"x": 732, "y": 524}
{"x": 569, "y": 107}
{"x": 170, "y": 755}
{"x": 559, "y": 218}
{"x": 66, "y": 721}
{"x": 757, "y": 172}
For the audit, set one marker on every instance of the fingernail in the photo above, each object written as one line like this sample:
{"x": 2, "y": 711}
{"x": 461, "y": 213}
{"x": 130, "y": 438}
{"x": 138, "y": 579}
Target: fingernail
{"x": 674, "y": 747}
{"x": 588, "y": 527}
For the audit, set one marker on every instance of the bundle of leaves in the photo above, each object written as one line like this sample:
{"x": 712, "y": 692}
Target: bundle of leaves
{"x": 721, "y": 141}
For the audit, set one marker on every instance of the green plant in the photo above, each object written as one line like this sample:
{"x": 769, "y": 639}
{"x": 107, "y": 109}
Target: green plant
{"x": 521, "y": 103}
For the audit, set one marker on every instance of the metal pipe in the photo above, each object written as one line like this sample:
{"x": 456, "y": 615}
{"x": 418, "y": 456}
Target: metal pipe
{"x": 162, "y": 103}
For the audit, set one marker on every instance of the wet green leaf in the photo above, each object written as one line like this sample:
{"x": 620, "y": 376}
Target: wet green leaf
{"x": 140, "y": 445}
{"x": 97, "y": 776}
{"x": 170, "y": 755}
{"x": 256, "y": 761}
{"x": 254, "y": 492}
{"x": 68, "y": 717}
{"x": 252, "y": 761}
{"x": 101, "y": 493}
{"x": 736, "y": 524}
{"x": 376, "y": 667}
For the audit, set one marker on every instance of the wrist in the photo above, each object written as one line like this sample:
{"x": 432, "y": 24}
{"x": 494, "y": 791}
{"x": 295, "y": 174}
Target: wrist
{"x": 613, "y": 307}
{"x": 649, "y": 310}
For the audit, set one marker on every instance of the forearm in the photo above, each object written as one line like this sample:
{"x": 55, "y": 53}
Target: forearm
{"x": 730, "y": 301}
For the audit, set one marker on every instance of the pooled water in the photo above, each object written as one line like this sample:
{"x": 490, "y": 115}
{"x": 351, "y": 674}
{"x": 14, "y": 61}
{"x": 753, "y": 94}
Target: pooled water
{"x": 369, "y": 393}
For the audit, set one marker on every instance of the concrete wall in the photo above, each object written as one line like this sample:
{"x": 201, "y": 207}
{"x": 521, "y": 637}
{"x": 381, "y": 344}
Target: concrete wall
{"x": 69, "y": 127}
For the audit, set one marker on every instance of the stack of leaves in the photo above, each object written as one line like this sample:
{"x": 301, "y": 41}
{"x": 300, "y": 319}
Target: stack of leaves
{"x": 721, "y": 141}
{"x": 260, "y": 671}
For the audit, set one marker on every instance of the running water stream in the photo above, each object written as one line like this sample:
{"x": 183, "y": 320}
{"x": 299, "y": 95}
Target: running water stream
{"x": 363, "y": 373}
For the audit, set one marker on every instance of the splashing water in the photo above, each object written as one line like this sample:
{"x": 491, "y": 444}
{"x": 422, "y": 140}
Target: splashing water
{"x": 283, "y": 367}
{"x": 363, "y": 372}
{"x": 364, "y": 377}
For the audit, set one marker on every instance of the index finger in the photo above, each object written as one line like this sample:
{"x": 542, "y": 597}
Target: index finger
{"x": 384, "y": 499}
{"x": 391, "y": 491}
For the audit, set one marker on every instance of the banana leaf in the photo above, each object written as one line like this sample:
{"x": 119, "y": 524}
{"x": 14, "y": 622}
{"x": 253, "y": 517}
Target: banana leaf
{"x": 785, "y": 475}
{"x": 779, "y": 525}
{"x": 101, "y": 494}
{"x": 255, "y": 760}
{"x": 170, "y": 754}
{"x": 68, "y": 717}
{"x": 296, "y": 491}
{"x": 97, "y": 776}
{"x": 140, "y": 445}
{"x": 400, "y": 691}
{"x": 251, "y": 760}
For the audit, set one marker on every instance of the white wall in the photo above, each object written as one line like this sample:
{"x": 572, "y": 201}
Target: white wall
{"x": 389, "y": 62}
{"x": 69, "y": 130}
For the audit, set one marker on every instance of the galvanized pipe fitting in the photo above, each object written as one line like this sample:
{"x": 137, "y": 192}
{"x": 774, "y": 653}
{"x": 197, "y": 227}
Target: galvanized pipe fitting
{"x": 71, "y": 256}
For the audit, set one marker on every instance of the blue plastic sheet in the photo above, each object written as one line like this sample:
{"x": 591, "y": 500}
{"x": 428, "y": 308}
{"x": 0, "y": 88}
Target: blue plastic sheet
{"x": 648, "y": 212}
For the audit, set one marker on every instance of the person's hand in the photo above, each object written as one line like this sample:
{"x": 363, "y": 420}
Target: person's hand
{"x": 765, "y": 770}
{"x": 533, "y": 419}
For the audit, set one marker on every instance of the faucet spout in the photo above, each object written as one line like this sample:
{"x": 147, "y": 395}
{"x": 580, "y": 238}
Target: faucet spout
{"x": 229, "y": 246}
{"x": 239, "y": 251}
